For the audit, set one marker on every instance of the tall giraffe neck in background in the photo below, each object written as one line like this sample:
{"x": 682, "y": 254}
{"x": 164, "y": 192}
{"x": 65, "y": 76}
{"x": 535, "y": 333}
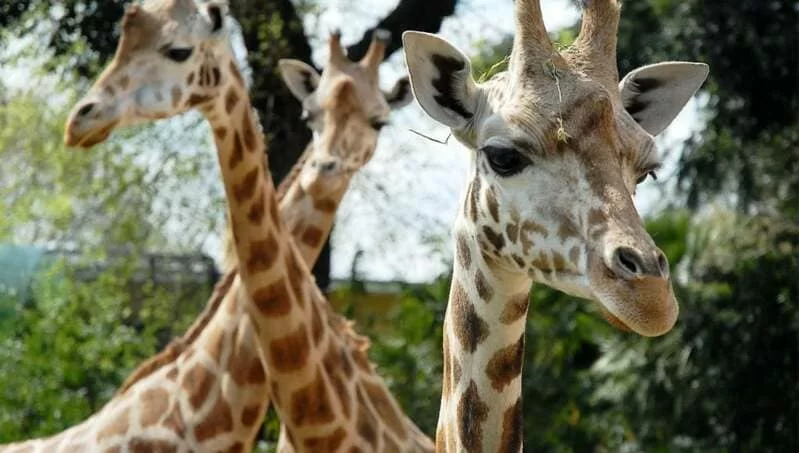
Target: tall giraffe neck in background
{"x": 322, "y": 385}
{"x": 481, "y": 295}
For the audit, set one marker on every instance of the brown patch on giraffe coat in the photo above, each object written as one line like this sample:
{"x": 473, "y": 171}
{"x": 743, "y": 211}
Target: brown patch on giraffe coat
{"x": 172, "y": 374}
{"x": 139, "y": 445}
{"x": 247, "y": 131}
{"x": 389, "y": 446}
{"x": 109, "y": 91}
{"x": 174, "y": 422}
{"x": 567, "y": 229}
{"x": 263, "y": 254}
{"x": 234, "y": 70}
{"x": 176, "y": 94}
{"x": 220, "y": 133}
{"x": 387, "y": 411}
{"x": 515, "y": 308}
{"x": 197, "y": 99}
{"x": 468, "y": 327}
{"x": 365, "y": 424}
{"x": 464, "y": 255}
{"x": 237, "y": 154}
{"x": 257, "y": 209}
{"x": 317, "y": 328}
{"x": 219, "y": 420}
{"x": 116, "y": 449}
{"x": 483, "y": 290}
{"x": 506, "y": 364}
{"x": 123, "y": 83}
{"x": 326, "y": 205}
{"x": 574, "y": 255}
{"x": 493, "y": 206}
{"x": 231, "y": 100}
{"x": 297, "y": 278}
{"x": 197, "y": 382}
{"x": 333, "y": 363}
{"x": 273, "y": 300}
{"x": 472, "y": 412}
{"x": 328, "y": 443}
{"x": 215, "y": 342}
{"x": 518, "y": 260}
{"x": 256, "y": 375}
{"x": 250, "y": 415}
{"x": 244, "y": 191}
{"x": 474, "y": 192}
{"x": 154, "y": 404}
{"x": 312, "y": 236}
{"x": 497, "y": 240}
{"x": 558, "y": 262}
{"x": 310, "y": 405}
{"x": 190, "y": 79}
{"x": 290, "y": 353}
{"x": 512, "y": 429}
{"x": 597, "y": 223}
{"x": 512, "y": 230}
{"x": 528, "y": 226}
{"x": 117, "y": 427}
{"x": 216, "y": 76}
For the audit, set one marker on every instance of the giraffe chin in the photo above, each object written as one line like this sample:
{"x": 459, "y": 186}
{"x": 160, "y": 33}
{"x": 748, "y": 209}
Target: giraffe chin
{"x": 87, "y": 141}
{"x": 613, "y": 320}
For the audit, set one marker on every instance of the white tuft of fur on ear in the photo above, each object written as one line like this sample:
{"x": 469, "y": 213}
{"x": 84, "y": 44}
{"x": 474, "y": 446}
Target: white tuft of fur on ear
{"x": 400, "y": 94}
{"x": 301, "y": 78}
{"x": 441, "y": 78}
{"x": 653, "y": 95}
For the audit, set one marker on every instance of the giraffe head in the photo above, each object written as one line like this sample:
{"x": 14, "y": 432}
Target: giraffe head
{"x": 559, "y": 145}
{"x": 344, "y": 106}
{"x": 172, "y": 55}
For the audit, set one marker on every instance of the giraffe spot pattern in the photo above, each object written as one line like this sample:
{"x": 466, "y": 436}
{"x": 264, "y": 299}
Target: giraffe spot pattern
{"x": 512, "y": 429}
{"x": 273, "y": 300}
{"x": 139, "y": 445}
{"x": 297, "y": 278}
{"x": 483, "y": 290}
{"x": 387, "y": 411}
{"x": 220, "y": 133}
{"x": 310, "y": 405}
{"x": 247, "y": 131}
{"x": 464, "y": 255}
{"x": 515, "y": 308}
{"x": 117, "y": 427}
{"x": 469, "y": 328}
{"x": 312, "y": 236}
{"x": 176, "y": 93}
{"x": 250, "y": 415}
{"x": 365, "y": 424}
{"x": 244, "y": 191}
{"x": 190, "y": 79}
{"x": 256, "y": 212}
{"x": 290, "y": 353}
{"x": 494, "y": 238}
{"x": 197, "y": 99}
{"x": 505, "y": 365}
{"x": 197, "y": 382}
{"x": 493, "y": 206}
{"x": 327, "y": 443}
{"x": 333, "y": 364}
{"x": 218, "y": 421}
{"x": 231, "y": 99}
{"x": 174, "y": 422}
{"x": 472, "y": 412}
{"x": 263, "y": 254}
{"x": 327, "y": 206}
{"x": 154, "y": 404}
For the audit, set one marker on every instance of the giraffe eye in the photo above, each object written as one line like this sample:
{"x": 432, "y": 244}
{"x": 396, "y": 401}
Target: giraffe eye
{"x": 642, "y": 178}
{"x": 505, "y": 161}
{"x": 178, "y": 54}
{"x": 378, "y": 124}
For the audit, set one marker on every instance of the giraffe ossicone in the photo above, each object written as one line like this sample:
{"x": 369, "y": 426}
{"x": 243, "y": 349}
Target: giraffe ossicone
{"x": 558, "y": 145}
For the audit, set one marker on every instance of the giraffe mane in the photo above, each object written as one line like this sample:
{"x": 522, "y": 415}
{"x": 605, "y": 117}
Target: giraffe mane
{"x": 176, "y": 347}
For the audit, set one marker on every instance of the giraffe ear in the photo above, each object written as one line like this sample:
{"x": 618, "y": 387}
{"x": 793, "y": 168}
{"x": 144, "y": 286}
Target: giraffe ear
{"x": 400, "y": 95}
{"x": 215, "y": 11}
{"x": 441, "y": 78}
{"x": 653, "y": 95}
{"x": 300, "y": 77}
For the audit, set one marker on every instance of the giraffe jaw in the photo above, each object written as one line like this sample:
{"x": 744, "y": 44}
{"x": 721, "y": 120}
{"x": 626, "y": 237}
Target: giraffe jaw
{"x": 90, "y": 139}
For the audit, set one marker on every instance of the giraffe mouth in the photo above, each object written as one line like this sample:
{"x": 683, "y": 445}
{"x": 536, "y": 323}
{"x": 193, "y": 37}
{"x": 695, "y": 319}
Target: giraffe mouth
{"x": 613, "y": 320}
{"x": 89, "y": 139}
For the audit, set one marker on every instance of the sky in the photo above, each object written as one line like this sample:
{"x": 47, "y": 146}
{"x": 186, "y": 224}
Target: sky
{"x": 397, "y": 215}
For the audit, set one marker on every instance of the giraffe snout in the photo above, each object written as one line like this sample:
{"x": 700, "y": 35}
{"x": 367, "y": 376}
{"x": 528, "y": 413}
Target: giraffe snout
{"x": 630, "y": 263}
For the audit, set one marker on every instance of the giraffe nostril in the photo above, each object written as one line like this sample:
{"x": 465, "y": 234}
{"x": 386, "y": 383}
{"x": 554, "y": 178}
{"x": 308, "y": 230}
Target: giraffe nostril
{"x": 86, "y": 109}
{"x": 327, "y": 166}
{"x": 663, "y": 264}
{"x": 628, "y": 261}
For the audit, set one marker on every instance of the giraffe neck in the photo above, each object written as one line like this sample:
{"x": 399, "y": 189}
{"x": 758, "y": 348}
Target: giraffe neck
{"x": 481, "y": 406}
{"x": 311, "y": 219}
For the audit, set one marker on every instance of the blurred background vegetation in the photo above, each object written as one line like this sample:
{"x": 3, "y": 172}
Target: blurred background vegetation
{"x": 725, "y": 380}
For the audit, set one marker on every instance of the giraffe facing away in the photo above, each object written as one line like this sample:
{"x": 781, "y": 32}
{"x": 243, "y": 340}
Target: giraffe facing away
{"x": 223, "y": 334}
{"x": 558, "y": 147}
{"x": 174, "y": 56}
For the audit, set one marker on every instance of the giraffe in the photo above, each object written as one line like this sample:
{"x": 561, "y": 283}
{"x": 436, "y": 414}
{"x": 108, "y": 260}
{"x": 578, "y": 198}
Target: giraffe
{"x": 316, "y": 186}
{"x": 223, "y": 325}
{"x": 558, "y": 146}
{"x": 174, "y": 56}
